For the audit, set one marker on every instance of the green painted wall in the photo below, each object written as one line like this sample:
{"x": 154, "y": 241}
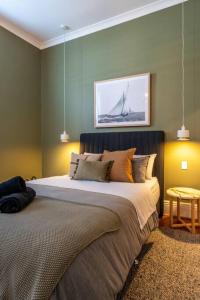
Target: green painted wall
{"x": 148, "y": 44}
{"x": 20, "y": 126}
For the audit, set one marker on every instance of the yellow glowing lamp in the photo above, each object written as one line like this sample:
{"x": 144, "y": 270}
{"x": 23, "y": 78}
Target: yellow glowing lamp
{"x": 183, "y": 134}
{"x": 64, "y": 137}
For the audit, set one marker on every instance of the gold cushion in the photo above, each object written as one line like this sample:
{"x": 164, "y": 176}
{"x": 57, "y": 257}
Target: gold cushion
{"x": 122, "y": 166}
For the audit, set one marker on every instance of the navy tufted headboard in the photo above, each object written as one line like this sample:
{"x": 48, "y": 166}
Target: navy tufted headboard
{"x": 146, "y": 142}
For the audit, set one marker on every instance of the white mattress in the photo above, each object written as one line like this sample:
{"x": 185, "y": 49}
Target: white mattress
{"x": 144, "y": 196}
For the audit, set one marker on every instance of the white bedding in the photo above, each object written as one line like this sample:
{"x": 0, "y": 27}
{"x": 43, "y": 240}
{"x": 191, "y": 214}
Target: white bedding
{"x": 144, "y": 196}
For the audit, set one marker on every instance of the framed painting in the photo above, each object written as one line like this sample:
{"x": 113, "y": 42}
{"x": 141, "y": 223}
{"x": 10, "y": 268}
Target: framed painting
{"x": 122, "y": 102}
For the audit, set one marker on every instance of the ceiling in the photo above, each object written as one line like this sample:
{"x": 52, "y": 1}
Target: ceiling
{"x": 40, "y": 19}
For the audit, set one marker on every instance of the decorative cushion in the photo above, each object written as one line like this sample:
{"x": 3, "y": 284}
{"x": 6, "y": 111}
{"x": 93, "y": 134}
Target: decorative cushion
{"x": 139, "y": 168}
{"x": 122, "y": 167}
{"x": 75, "y": 157}
{"x": 150, "y": 165}
{"x": 93, "y": 170}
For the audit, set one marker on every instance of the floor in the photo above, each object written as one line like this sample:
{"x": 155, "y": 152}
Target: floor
{"x": 168, "y": 269}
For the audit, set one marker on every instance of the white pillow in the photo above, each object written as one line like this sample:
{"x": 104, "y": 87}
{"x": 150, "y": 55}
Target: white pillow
{"x": 150, "y": 164}
{"x": 91, "y": 154}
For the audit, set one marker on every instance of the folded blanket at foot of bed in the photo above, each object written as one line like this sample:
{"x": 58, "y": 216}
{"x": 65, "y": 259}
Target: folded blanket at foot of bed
{"x": 17, "y": 201}
{"x": 13, "y": 185}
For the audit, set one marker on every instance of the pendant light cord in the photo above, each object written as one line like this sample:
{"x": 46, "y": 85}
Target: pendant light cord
{"x": 182, "y": 63}
{"x": 64, "y": 92}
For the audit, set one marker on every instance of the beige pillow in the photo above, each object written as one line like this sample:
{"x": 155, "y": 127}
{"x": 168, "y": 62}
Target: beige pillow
{"x": 122, "y": 167}
{"x": 93, "y": 170}
{"x": 76, "y": 157}
{"x": 88, "y": 153}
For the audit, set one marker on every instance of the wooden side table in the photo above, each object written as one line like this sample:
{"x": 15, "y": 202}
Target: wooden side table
{"x": 180, "y": 195}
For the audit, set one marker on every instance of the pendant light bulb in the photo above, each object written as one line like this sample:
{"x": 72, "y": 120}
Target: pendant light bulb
{"x": 183, "y": 134}
{"x": 64, "y": 137}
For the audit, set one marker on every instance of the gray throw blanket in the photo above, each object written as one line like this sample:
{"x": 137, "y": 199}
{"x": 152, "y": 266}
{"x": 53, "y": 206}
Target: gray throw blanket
{"x": 38, "y": 244}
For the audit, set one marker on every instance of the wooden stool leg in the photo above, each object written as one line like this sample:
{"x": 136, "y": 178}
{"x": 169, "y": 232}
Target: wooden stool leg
{"x": 193, "y": 215}
{"x": 171, "y": 211}
{"x": 198, "y": 210}
{"x": 178, "y": 209}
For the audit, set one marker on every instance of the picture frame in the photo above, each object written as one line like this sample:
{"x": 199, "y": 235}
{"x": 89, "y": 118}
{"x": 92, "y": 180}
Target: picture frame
{"x": 122, "y": 102}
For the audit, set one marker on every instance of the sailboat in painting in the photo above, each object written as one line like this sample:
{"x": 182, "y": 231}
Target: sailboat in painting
{"x": 122, "y": 111}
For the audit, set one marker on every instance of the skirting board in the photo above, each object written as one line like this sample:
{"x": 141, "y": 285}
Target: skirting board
{"x": 185, "y": 209}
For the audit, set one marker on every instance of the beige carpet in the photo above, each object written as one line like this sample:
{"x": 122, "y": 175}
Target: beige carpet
{"x": 169, "y": 268}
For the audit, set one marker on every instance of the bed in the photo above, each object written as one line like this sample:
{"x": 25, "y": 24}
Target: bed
{"x": 101, "y": 264}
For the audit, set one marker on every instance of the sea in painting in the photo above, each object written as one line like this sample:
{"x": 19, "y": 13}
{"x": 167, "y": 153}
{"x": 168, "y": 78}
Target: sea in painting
{"x": 129, "y": 117}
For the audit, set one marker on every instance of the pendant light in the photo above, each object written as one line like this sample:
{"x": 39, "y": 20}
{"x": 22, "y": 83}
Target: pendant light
{"x": 64, "y": 137}
{"x": 183, "y": 134}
